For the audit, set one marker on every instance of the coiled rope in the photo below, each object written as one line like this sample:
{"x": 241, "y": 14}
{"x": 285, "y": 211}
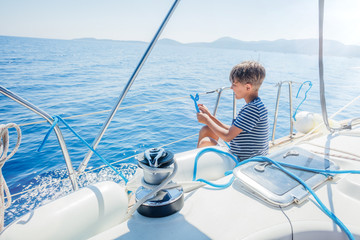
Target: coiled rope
{"x": 4, "y": 148}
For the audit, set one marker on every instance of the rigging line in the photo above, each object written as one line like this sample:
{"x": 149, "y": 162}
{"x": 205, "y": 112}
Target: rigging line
{"x": 182, "y": 139}
{"x": 304, "y": 138}
{"x": 127, "y": 87}
{"x": 179, "y": 140}
{"x": 335, "y": 155}
{"x": 344, "y": 107}
{"x": 112, "y": 163}
{"x": 321, "y": 71}
{"x": 357, "y": 157}
{"x": 321, "y": 68}
{"x": 120, "y": 108}
{"x": 55, "y": 123}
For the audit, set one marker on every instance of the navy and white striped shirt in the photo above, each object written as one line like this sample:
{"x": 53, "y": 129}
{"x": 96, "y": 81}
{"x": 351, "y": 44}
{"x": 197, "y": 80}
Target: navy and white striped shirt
{"x": 254, "y": 138}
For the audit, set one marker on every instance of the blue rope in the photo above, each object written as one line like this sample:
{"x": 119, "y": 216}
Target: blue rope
{"x": 195, "y": 99}
{"x": 56, "y": 120}
{"x": 220, "y": 186}
{"x": 297, "y": 95}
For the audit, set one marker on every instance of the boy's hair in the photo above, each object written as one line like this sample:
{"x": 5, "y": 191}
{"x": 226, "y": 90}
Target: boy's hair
{"x": 248, "y": 72}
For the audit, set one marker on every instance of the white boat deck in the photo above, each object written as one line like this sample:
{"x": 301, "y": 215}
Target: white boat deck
{"x": 234, "y": 213}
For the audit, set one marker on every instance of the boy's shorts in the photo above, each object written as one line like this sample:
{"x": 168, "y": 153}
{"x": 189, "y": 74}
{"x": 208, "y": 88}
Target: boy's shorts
{"x": 221, "y": 143}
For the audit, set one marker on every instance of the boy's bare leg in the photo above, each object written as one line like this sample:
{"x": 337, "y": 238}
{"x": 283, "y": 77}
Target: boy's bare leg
{"x": 207, "y": 137}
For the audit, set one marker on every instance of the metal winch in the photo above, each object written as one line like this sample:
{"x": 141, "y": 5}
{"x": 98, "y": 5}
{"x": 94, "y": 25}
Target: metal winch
{"x": 161, "y": 196}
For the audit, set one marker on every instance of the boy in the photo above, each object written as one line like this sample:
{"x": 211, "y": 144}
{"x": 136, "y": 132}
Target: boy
{"x": 249, "y": 133}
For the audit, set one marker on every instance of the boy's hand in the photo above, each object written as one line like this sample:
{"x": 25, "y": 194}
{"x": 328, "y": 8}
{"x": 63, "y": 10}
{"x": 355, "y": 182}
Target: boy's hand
{"x": 202, "y": 118}
{"x": 204, "y": 109}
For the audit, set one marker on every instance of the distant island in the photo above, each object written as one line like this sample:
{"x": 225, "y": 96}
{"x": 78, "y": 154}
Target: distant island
{"x": 297, "y": 46}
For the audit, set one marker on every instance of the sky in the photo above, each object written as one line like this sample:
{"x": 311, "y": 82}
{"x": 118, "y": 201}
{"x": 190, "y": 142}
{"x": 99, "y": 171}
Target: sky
{"x": 193, "y": 20}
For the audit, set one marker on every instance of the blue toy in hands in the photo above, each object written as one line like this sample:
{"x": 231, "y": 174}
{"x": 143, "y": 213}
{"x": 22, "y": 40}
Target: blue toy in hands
{"x": 196, "y": 98}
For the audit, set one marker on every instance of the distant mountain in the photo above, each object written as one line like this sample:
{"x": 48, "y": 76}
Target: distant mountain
{"x": 106, "y": 40}
{"x": 169, "y": 42}
{"x": 298, "y": 46}
{"x": 301, "y": 46}
{"x": 85, "y": 39}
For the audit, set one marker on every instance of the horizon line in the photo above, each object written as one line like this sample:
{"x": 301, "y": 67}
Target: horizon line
{"x": 165, "y": 38}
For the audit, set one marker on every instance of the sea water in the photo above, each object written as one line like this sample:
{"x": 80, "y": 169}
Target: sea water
{"x": 72, "y": 78}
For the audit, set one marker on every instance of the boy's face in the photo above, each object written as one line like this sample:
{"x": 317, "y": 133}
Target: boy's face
{"x": 241, "y": 90}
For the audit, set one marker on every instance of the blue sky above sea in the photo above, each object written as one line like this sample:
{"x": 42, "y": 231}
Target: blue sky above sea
{"x": 193, "y": 21}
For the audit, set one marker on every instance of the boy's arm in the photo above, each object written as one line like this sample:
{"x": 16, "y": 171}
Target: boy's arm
{"x": 226, "y": 134}
{"x": 217, "y": 122}
{"x": 205, "y": 110}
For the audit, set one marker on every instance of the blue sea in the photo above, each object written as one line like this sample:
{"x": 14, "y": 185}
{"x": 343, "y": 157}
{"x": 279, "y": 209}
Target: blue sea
{"x": 73, "y": 78}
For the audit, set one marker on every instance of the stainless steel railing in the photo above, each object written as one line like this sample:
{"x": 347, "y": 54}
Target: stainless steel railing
{"x": 49, "y": 119}
{"x": 220, "y": 91}
{"x": 279, "y": 85}
{"x": 291, "y": 127}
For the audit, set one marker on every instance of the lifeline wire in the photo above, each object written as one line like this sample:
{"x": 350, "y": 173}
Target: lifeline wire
{"x": 120, "y": 108}
{"x": 56, "y": 120}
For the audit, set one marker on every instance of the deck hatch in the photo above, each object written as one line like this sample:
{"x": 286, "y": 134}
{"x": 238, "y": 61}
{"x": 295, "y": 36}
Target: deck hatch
{"x": 275, "y": 186}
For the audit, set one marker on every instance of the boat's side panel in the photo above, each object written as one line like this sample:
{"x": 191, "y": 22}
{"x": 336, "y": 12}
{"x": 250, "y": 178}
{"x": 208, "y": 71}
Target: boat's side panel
{"x": 79, "y": 215}
{"x": 211, "y": 165}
